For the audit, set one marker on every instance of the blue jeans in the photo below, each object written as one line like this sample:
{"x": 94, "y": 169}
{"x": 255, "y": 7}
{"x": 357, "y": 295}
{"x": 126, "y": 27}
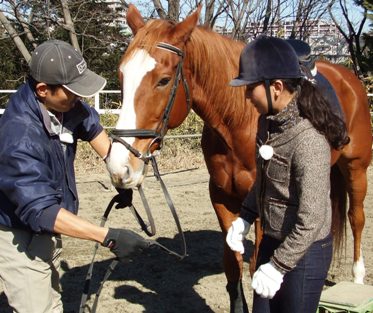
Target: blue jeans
{"x": 301, "y": 289}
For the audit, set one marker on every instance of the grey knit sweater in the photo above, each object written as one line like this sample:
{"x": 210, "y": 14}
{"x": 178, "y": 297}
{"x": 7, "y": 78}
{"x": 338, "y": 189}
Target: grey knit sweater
{"x": 292, "y": 190}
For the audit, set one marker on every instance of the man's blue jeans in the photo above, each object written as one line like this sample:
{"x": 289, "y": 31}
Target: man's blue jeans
{"x": 301, "y": 289}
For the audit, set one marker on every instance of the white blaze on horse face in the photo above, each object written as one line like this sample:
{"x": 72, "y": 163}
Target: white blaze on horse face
{"x": 134, "y": 70}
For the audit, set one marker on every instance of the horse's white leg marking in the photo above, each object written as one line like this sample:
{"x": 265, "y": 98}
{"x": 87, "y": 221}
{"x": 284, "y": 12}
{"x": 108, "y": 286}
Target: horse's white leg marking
{"x": 133, "y": 73}
{"x": 358, "y": 270}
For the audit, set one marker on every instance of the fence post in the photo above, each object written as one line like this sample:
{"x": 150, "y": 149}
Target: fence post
{"x": 97, "y": 102}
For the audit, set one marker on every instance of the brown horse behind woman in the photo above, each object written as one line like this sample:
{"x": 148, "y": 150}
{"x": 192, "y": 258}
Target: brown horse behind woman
{"x": 199, "y": 64}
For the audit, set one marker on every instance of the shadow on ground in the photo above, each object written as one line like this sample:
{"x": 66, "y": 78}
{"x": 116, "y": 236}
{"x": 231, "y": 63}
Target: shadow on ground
{"x": 168, "y": 281}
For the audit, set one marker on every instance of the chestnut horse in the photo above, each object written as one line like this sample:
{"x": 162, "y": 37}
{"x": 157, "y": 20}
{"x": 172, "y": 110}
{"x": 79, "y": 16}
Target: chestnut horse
{"x": 170, "y": 68}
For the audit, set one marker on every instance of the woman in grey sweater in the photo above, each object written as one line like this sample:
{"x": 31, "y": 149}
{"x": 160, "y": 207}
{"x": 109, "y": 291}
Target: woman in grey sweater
{"x": 296, "y": 131}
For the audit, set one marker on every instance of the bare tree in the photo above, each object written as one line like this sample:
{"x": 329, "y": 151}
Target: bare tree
{"x": 15, "y": 37}
{"x": 267, "y": 15}
{"x": 240, "y": 15}
{"x": 88, "y": 25}
{"x": 238, "y": 12}
{"x": 69, "y": 25}
{"x": 161, "y": 11}
{"x": 351, "y": 32}
{"x": 25, "y": 24}
{"x": 306, "y": 14}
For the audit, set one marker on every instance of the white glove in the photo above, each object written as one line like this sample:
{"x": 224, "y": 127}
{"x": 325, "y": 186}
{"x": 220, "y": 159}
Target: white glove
{"x": 267, "y": 280}
{"x": 236, "y": 234}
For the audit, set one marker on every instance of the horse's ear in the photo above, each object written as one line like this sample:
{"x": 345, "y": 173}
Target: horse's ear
{"x": 134, "y": 19}
{"x": 183, "y": 30}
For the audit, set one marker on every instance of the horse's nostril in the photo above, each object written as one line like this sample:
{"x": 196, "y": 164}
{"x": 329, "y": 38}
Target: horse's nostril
{"x": 115, "y": 179}
{"x": 126, "y": 173}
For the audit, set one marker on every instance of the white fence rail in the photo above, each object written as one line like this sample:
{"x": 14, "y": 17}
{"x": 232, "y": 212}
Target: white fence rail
{"x": 96, "y": 100}
{"x": 6, "y": 91}
{"x": 97, "y": 103}
{"x": 100, "y": 110}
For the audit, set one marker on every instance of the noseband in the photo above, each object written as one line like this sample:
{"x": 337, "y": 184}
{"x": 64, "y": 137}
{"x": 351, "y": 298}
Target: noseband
{"x": 158, "y": 134}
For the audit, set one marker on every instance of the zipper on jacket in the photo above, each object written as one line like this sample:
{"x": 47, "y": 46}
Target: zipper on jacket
{"x": 263, "y": 185}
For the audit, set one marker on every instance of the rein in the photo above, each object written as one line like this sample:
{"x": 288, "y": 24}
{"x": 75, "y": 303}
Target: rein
{"x": 148, "y": 228}
{"x": 144, "y": 226}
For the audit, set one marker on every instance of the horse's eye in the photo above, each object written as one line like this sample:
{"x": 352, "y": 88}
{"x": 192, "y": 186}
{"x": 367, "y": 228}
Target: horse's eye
{"x": 163, "y": 82}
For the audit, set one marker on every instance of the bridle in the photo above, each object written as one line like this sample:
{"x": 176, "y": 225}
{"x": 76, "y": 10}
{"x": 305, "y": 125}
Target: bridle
{"x": 157, "y": 134}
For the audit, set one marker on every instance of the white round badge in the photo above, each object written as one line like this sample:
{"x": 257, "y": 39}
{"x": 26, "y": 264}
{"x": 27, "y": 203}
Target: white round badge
{"x": 66, "y": 138}
{"x": 266, "y": 152}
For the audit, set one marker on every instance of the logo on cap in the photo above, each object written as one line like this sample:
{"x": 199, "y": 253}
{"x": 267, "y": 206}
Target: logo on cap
{"x": 82, "y": 66}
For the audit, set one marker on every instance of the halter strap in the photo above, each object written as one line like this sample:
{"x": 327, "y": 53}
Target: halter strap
{"x": 143, "y": 133}
{"x": 269, "y": 98}
{"x": 171, "y": 48}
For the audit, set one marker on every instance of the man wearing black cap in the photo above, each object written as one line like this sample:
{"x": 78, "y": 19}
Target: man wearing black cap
{"x": 38, "y": 197}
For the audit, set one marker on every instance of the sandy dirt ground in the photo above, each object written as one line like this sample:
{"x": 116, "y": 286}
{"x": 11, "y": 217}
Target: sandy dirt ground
{"x": 156, "y": 282}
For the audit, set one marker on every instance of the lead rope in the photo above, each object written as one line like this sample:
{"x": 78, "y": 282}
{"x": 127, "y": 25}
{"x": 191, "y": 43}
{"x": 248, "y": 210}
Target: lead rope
{"x": 144, "y": 227}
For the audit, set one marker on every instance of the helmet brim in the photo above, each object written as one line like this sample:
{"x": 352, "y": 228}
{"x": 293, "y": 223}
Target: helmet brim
{"x": 237, "y": 82}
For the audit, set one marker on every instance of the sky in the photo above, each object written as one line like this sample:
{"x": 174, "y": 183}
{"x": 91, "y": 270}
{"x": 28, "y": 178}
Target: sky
{"x": 355, "y": 13}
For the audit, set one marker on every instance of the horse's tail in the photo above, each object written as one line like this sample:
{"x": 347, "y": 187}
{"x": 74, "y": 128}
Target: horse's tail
{"x": 338, "y": 195}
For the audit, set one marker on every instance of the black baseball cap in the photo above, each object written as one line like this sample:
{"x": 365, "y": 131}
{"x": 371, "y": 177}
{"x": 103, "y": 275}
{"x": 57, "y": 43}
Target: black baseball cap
{"x": 56, "y": 62}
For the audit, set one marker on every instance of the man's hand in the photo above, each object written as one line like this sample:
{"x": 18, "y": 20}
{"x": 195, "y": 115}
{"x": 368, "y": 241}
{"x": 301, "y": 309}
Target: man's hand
{"x": 236, "y": 234}
{"x": 267, "y": 280}
{"x": 124, "y": 243}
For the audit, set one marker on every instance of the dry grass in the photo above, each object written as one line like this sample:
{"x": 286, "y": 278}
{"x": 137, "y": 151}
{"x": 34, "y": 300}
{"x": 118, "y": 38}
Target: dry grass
{"x": 180, "y": 154}
{"x": 87, "y": 160}
{"x": 176, "y": 154}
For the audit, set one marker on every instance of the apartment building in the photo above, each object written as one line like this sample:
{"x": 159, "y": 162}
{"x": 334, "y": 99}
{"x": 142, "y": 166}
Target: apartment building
{"x": 322, "y": 35}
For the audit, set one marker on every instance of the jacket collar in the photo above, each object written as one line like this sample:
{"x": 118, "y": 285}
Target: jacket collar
{"x": 46, "y": 119}
{"x": 286, "y": 118}
{"x": 71, "y": 119}
{"x": 290, "y": 133}
{"x": 276, "y": 130}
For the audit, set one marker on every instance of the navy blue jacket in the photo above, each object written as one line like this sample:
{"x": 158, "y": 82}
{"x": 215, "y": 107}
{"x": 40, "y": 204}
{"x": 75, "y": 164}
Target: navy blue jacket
{"x": 36, "y": 173}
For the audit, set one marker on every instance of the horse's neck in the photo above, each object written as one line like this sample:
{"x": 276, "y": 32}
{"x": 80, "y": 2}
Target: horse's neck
{"x": 212, "y": 68}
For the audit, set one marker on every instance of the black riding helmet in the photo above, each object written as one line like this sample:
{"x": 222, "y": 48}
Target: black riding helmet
{"x": 306, "y": 61}
{"x": 265, "y": 59}
{"x": 302, "y": 49}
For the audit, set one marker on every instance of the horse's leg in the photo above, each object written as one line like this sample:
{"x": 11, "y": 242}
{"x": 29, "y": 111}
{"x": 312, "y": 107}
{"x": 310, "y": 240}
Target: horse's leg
{"x": 258, "y": 239}
{"x": 357, "y": 189}
{"x": 233, "y": 261}
{"x": 357, "y": 192}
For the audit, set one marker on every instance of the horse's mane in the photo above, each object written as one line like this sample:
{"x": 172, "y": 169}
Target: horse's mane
{"x": 212, "y": 58}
